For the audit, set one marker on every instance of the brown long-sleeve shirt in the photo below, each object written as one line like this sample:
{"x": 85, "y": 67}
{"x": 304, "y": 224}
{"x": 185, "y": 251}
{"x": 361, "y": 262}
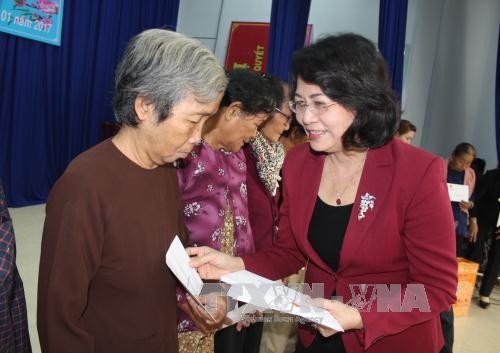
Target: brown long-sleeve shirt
{"x": 103, "y": 284}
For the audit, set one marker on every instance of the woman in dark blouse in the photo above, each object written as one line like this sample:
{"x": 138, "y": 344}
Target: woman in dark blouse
{"x": 459, "y": 171}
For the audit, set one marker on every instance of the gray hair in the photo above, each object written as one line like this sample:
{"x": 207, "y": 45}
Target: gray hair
{"x": 164, "y": 67}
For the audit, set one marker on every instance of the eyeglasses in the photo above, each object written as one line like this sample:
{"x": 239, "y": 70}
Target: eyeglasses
{"x": 318, "y": 108}
{"x": 288, "y": 117}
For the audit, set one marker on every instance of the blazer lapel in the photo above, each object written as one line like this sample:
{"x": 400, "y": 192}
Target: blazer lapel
{"x": 309, "y": 186}
{"x": 374, "y": 185}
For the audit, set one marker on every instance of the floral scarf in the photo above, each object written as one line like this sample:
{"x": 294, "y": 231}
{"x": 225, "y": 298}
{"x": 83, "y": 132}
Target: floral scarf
{"x": 270, "y": 157}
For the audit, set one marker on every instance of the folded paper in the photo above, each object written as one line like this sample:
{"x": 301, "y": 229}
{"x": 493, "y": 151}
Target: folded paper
{"x": 253, "y": 289}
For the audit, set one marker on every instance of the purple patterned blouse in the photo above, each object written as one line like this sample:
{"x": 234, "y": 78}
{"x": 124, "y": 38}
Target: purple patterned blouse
{"x": 211, "y": 181}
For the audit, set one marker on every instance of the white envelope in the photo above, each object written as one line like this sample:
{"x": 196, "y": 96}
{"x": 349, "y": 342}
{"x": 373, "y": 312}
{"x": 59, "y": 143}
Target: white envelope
{"x": 178, "y": 261}
{"x": 238, "y": 313}
{"x": 458, "y": 192}
{"x": 253, "y": 289}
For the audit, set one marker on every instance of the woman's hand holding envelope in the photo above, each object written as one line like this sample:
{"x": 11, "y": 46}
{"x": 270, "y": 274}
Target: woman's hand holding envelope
{"x": 212, "y": 264}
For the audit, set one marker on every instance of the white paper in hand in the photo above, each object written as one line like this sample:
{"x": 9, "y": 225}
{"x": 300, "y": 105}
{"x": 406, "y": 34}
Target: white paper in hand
{"x": 178, "y": 261}
{"x": 251, "y": 288}
{"x": 458, "y": 192}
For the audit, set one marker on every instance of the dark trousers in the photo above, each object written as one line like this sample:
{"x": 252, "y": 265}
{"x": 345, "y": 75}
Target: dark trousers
{"x": 492, "y": 269}
{"x": 447, "y": 319}
{"x": 229, "y": 340}
{"x": 476, "y": 251}
{"x": 462, "y": 243}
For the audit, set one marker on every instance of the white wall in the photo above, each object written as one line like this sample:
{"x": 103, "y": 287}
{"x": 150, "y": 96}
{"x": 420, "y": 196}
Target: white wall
{"x": 200, "y": 19}
{"x": 331, "y": 16}
{"x": 460, "y": 105}
{"x": 422, "y": 29}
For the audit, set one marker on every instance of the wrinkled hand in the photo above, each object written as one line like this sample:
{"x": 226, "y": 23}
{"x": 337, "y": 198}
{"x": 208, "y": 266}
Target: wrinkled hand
{"x": 247, "y": 320}
{"x": 473, "y": 230}
{"x": 348, "y": 316}
{"x": 212, "y": 264}
{"x": 214, "y": 303}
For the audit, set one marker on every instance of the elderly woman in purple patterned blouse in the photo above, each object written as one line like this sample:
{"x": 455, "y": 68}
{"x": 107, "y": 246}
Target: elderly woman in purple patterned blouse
{"x": 214, "y": 193}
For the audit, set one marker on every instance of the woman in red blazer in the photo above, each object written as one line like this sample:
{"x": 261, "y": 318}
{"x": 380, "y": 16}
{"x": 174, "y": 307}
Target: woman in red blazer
{"x": 369, "y": 215}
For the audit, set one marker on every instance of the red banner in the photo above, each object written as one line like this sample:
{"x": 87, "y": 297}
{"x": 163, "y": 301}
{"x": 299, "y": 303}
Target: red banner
{"x": 247, "y": 46}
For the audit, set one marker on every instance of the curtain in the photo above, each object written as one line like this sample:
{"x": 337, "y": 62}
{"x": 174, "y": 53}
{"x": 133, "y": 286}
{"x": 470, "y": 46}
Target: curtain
{"x": 391, "y": 39}
{"x": 54, "y": 99}
{"x": 497, "y": 101}
{"x": 287, "y": 34}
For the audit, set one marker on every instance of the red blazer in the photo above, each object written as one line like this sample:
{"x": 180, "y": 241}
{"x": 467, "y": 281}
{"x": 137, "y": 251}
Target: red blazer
{"x": 406, "y": 238}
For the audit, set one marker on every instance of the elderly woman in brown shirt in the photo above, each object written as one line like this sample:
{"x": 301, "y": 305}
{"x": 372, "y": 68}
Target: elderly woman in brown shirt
{"x": 104, "y": 286}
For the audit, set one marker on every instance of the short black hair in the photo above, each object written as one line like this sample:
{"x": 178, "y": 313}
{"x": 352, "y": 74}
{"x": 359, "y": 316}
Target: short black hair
{"x": 277, "y": 88}
{"x": 251, "y": 89}
{"x": 350, "y": 71}
{"x": 464, "y": 148}
{"x": 406, "y": 126}
{"x": 479, "y": 166}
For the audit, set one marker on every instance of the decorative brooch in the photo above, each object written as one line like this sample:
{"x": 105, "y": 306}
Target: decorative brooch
{"x": 367, "y": 202}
